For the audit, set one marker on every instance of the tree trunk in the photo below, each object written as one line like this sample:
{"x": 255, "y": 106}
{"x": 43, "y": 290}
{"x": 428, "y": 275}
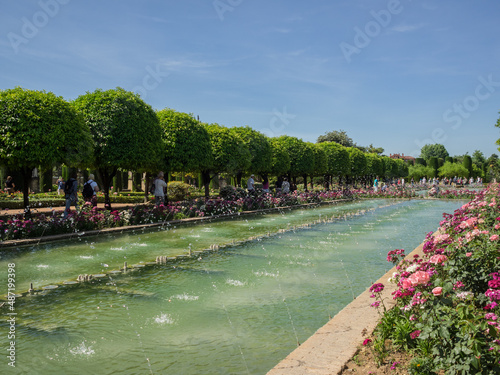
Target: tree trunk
{"x": 147, "y": 180}
{"x": 239, "y": 175}
{"x": 106, "y": 177}
{"x": 26, "y": 173}
{"x": 205, "y": 176}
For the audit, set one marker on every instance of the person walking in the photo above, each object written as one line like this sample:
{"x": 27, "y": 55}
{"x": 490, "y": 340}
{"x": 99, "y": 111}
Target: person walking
{"x": 160, "y": 186}
{"x": 251, "y": 184}
{"x": 60, "y": 185}
{"x": 90, "y": 189}
{"x": 70, "y": 194}
{"x": 285, "y": 186}
{"x": 9, "y": 185}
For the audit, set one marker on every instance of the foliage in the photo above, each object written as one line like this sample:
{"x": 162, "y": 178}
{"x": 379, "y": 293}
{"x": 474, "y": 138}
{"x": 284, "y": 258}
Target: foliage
{"x": 337, "y": 136}
{"x": 421, "y": 161}
{"x": 177, "y": 190}
{"x": 451, "y": 170}
{"x": 390, "y": 167}
{"x": 418, "y": 171}
{"x": 187, "y": 145}
{"x": 434, "y": 164}
{"x": 259, "y": 147}
{"x": 125, "y": 132}
{"x": 467, "y": 162}
{"x": 230, "y": 153}
{"x": 337, "y": 158}
{"x": 38, "y": 128}
{"x": 280, "y": 159}
{"x": 433, "y": 150}
{"x": 358, "y": 162}
{"x": 375, "y": 165}
{"x": 301, "y": 155}
{"x": 320, "y": 160}
{"x": 447, "y": 308}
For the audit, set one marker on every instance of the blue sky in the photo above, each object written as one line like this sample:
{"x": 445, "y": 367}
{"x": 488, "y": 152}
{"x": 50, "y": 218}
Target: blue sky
{"x": 397, "y": 74}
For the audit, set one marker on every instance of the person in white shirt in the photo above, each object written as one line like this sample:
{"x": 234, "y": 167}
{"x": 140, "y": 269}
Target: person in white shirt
{"x": 160, "y": 186}
{"x": 250, "y": 184}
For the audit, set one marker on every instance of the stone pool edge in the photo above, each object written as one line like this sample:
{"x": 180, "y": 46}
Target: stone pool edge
{"x": 328, "y": 350}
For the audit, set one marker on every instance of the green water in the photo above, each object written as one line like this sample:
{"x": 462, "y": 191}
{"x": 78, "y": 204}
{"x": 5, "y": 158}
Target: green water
{"x": 239, "y": 310}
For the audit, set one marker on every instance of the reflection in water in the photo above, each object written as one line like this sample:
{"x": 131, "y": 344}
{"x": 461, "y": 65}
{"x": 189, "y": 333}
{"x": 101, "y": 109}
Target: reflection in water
{"x": 238, "y": 310}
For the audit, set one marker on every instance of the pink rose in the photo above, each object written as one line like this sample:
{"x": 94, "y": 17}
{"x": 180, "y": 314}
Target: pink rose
{"x": 419, "y": 278}
{"x": 437, "y": 291}
{"x": 407, "y": 284}
{"x": 494, "y": 237}
{"x": 436, "y": 259}
{"x": 468, "y": 254}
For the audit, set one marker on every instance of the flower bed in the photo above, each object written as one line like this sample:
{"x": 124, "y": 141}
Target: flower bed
{"x": 88, "y": 218}
{"x": 447, "y": 312}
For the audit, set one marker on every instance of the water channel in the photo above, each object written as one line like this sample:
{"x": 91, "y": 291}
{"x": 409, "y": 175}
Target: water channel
{"x": 237, "y": 310}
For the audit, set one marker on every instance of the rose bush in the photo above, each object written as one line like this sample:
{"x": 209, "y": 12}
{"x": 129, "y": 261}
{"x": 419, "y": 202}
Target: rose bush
{"x": 448, "y": 300}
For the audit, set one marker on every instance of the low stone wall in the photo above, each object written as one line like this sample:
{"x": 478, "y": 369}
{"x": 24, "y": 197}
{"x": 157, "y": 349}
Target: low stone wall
{"x": 328, "y": 350}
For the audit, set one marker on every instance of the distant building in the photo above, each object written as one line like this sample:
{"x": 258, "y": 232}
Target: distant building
{"x": 408, "y": 159}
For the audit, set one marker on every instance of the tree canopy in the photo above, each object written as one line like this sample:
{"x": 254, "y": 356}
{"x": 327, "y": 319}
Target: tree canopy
{"x": 187, "y": 146}
{"x": 337, "y": 136}
{"x": 125, "y": 132}
{"x": 38, "y": 128}
{"x": 433, "y": 150}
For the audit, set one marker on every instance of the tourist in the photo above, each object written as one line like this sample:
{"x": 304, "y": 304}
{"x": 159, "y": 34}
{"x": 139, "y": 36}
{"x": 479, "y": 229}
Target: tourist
{"x": 160, "y": 187}
{"x": 9, "y": 185}
{"x": 70, "y": 194}
{"x": 251, "y": 184}
{"x": 375, "y": 184}
{"x": 265, "y": 184}
{"x": 60, "y": 185}
{"x": 285, "y": 186}
{"x": 90, "y": 189}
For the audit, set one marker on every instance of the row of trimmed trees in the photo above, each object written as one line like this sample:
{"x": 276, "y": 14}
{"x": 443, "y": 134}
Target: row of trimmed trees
{"x": 114, "y": 130}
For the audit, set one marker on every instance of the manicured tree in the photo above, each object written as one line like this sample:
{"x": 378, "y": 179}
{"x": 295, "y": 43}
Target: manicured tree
{"x": 358, "y": 163}
{"x": 467, "y": 162}
{"x": 448, "y": 159}
{"x": 419, "y": 171}
{"x": 451, "y": 170}
{"x": 375, "y": 166}
{"x": 434, "y": 164}
{"x": 421, "y": 161}
{"x": 280, "y": 159}
{"x": 186, "y": 141}
{"x": 301, "y": 156}
{"x": 402, "y": 168}
{"x": 229, "y": 154}
{"x": 125, "y": 132}
{"x": 320, "y": 163}
{"x": 390, "y": 167}
{"x": 337, "y": 160}
{"x": 38, "y": 128}
{"x": 260, "y": 151}
{"x": 435, "y": 150}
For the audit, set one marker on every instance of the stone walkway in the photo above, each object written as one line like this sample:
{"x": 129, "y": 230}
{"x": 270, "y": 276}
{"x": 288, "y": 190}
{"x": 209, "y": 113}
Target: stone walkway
{"x": 333, "y": 345}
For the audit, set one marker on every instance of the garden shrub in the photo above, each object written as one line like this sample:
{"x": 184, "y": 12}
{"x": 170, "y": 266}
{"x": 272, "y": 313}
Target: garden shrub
{"x": 177, "y": 191}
